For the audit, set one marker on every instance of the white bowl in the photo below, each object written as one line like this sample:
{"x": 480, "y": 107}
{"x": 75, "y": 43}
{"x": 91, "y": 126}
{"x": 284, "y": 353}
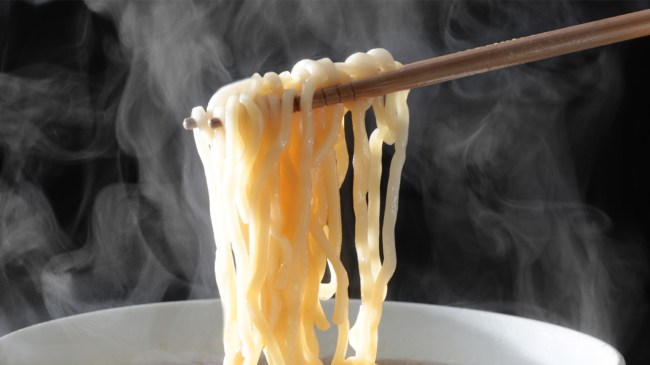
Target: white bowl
{"x": 182, "y": 332}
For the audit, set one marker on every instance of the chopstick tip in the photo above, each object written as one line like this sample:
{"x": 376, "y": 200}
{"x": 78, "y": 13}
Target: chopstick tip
{"x": 190, "y": 123}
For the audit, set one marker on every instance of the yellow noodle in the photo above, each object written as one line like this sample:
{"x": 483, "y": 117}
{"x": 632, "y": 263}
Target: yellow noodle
{"x": 273, "y": 180}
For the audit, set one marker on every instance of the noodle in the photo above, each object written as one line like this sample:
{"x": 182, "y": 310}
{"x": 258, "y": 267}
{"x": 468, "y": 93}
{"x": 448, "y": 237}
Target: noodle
{"x": 273, "y": 180}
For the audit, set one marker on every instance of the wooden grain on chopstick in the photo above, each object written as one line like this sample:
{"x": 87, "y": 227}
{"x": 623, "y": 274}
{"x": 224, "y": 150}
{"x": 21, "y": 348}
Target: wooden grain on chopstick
{"x": 491, "y": 57}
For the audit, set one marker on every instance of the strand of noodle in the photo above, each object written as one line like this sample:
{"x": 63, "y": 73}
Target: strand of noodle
{"x": 364, "y": 343}
{"x": 397, "y": 103}
{"x": 288, "y": 174}
{"x": 330, "y": 131}
{"x": 335, "y": 238}
{"x": 374, "y": 198}
{"x": 228, "y": 291}
{"x": 320, "y": 210}
{"x": 304, "y": 141}
{"x": 320, "y": 239}
{"x": 360, "y": 160}
{"x": 386, "y": 269}
{"x": 392, "y": 192}
{"x": 286, "y": 112}
{"x": 310, "y": 120}
{"x": 230, "y": 178}
{"x": 318, "y": 258}
{"x": 274, "y": 84}
{"x": 229, "y": 295}
{"x": 306, "y": 144}
{"x": 364, "y": 331}
{"x": 341, "y": 298}
{"x": 385, "y": 62}
{"x": 236, "y": 226}
{"x": 286, "y": 251}
{"x": 384, "y": 122}
{"x": 359, "y": 65}
{"x": 259, "y": 228}
{"x": 377, "y": 139}
{"x": 270, "y": 301}
{"x": 275, "y": 274}
{"x": 273, "y": 308}
{"x": 224, "y": 267}
{"x": 333, "y": 251}
{"x": 383, "y": 59}
{"x": 288, "y": 177}
{"x": 341, "y": 151}
{"x": 312, "y": 315}
{"x": 361, "y": 156}
{"x": 374, "y": 201}
{"x": 250, "y": 136}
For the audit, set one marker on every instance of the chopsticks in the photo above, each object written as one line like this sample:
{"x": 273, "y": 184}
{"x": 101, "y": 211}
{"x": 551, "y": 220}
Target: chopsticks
{"x": 488, "y": 58}
{"x": 483, "y": 59}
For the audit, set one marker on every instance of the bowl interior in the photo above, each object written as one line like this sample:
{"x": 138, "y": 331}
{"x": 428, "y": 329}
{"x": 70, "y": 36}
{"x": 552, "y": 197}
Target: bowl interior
{"x": 189, "y": 333}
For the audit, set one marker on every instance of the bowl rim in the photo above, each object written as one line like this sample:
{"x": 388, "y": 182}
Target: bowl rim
{"x": 388, "y": 306}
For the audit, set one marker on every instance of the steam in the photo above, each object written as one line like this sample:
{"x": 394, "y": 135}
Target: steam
{"x": 506, "y": 216}
{"x": 492, "y": 207}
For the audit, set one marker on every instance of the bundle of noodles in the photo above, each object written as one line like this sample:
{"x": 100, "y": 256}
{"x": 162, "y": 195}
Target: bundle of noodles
{"x": 273, "y": 178}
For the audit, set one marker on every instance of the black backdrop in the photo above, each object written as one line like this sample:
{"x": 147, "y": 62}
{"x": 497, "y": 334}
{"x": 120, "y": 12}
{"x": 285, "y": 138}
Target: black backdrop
{"x": 65, "y": 72}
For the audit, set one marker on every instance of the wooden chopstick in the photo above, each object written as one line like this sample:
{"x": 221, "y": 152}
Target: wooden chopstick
{"x": 482, "y": 59}
{"x": 488, "y": 58}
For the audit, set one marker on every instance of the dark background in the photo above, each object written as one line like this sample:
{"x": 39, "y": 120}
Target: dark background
{"x": 67, "y": 75}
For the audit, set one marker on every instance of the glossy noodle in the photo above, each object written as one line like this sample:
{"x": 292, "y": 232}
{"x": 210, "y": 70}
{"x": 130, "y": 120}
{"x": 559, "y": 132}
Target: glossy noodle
{"x": 273, "y": 177}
